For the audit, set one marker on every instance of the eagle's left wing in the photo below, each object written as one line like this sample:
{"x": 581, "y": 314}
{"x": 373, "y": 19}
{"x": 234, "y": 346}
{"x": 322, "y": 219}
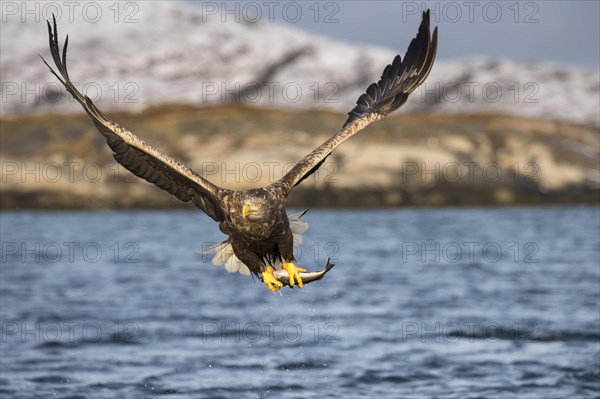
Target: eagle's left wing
{"x": 398, "y": 80}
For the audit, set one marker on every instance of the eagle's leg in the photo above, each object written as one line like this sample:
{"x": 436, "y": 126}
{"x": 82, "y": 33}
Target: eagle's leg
{"x": 294, "y": 272}
{"x": 270, "y": 281}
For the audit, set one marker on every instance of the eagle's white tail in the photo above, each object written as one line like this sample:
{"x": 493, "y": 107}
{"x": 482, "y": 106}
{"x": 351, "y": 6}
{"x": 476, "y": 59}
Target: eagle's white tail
{"x": 224, "y": 252}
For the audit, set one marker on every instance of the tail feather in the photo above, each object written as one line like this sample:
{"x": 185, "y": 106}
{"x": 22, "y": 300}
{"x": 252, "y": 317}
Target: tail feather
{"x": 297, "y": 226}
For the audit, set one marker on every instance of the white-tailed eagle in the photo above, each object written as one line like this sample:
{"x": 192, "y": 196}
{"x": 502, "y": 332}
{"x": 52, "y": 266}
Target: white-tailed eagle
{"x": 260, "y": 233}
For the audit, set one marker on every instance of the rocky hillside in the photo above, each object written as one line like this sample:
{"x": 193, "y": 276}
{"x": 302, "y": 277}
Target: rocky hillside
{"x": 418, "y": 159}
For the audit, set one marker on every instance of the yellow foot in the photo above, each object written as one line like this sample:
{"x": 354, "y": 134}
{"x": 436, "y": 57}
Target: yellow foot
{"x": 270, "y": 281}
{"x": 294, "y": 271}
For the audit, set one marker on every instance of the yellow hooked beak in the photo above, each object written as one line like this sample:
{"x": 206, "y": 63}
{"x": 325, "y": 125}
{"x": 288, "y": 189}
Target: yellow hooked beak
{"x": 245, "y": 210}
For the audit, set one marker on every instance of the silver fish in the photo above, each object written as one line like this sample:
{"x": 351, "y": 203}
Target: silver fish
{"x": 307, "y": 277}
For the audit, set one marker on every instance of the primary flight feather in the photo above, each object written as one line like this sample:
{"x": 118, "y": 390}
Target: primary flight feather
{"x": 261, "y": 236}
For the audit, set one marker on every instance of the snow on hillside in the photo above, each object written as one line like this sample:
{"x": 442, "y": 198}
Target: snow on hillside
{"x": 175, "y": 54}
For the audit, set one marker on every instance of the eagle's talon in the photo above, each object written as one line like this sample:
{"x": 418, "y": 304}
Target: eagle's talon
{"x": 270, "y": 281}
{"x": 294, "y": 272}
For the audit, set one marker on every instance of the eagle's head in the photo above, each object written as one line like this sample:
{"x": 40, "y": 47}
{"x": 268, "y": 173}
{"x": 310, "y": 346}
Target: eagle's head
{"x": 254, "y": 213}
{"x": 255, "y": 209}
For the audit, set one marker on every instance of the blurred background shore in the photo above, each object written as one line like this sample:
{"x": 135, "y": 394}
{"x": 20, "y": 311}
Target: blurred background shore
{"x": 417, "y": 159}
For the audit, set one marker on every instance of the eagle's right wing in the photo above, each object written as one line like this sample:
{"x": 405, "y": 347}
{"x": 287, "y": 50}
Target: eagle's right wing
{"x": 137, "y": 156}
{"x": 398, "y": 80}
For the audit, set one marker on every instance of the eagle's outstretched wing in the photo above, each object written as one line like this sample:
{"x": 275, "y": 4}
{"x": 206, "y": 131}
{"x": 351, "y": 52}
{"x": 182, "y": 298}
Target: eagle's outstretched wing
{"x": 398, "y": 80}
{"x": 134, "y": 154}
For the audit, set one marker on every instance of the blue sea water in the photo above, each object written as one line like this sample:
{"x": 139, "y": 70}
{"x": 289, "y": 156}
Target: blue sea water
{"x": 469, "y": 302}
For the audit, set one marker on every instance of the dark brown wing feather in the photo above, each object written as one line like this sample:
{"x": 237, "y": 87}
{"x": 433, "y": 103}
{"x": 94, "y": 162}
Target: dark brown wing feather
{"x": 398, "y": 80}
{"x": 135, "y": 155}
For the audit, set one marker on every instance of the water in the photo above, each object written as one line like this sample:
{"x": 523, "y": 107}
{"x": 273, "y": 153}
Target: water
{"x": 422, "y": 303}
